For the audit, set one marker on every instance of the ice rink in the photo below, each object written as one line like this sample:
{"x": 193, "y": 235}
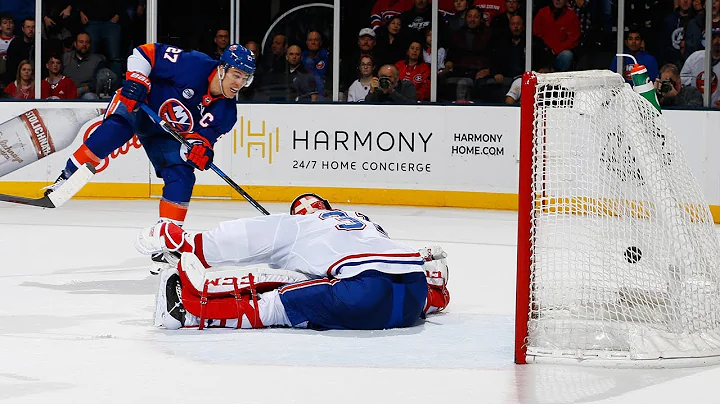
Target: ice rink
{"x": 76, "y": 302}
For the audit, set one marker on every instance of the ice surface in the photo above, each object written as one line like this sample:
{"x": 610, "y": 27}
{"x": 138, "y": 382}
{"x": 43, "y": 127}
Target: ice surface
{"x": 76, "y": 302}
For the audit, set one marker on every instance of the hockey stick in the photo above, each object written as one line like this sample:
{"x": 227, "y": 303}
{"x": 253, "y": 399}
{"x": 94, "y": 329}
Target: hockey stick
{"x": 59, "y": 196}
{"x": 167, "y": 128}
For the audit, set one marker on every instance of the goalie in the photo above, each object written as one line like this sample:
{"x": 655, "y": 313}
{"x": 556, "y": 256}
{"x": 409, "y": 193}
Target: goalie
{"x": 328, "y": 269}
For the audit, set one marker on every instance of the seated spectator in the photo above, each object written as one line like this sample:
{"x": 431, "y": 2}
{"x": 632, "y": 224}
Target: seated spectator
{"x": 633, "y": 46}
{"x": 384, "y": 11}
{"x": 416, "y": 71}
{"x": 693, "y": 71}
{"x": 59, "y": 87}
{"x": 390, "y": 45}
{"x": 427, "y": 57}
{"x": 7, "y": 27}
{"x": 101, "y": 20}
{"x": 672, "y": 93}
{"x": 315, "y": 59}
{"x": 559, "y": 29}
{"x": 21, "y": 48}
{"x": 254, "y": 48}
{"x": 82, "y": 66}
{"x": 221, "y": 40}
{"x": 293, "y": 84}
{"x": 359, "y": 89}
{"x": 490, "y": 9}
{"x": 457, "y": 20}
{"x": 509, "y": 57}
{"x": 674, "y": 30}
{"x": 388, "y": 88}
{"x": 417, "y": 19}
{"x": 349, "y": 66}
{"x": 469, "y": 57}
{"x": 500, "y": 24}
{"x": 276, "y": 60}
{"x": 23, "y": 88}
{"x": 695, "y": 32}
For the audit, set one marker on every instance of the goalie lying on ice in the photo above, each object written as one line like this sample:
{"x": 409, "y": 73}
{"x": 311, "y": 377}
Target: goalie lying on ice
{"x": 326, "y": 269}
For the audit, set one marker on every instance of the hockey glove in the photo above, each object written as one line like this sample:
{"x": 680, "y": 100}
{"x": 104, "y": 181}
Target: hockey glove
{"x": 200, "y": 155}
{"x": 135, "y": 90}
{"x": 436, "y": 275}
{"x": 163, "y": 237}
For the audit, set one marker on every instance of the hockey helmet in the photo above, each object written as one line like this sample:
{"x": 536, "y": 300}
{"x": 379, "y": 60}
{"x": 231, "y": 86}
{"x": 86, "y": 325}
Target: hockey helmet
{"x": 241, "y": 58}
{"x": 307, "y": 204}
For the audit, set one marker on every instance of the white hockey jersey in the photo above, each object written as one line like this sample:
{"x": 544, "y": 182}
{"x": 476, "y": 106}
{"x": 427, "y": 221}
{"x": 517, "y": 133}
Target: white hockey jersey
{"x": 333, "y": 243}
{"x": 693, "y": 74}
{"x": 4, "y": 45}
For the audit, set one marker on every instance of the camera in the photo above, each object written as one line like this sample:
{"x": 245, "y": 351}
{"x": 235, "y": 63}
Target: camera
{"x": 666, "y": 86}
{"x": 385, "y": 82}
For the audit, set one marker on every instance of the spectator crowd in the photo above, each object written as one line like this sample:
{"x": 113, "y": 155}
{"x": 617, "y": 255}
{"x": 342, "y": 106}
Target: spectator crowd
{"x": 480, "y": 56}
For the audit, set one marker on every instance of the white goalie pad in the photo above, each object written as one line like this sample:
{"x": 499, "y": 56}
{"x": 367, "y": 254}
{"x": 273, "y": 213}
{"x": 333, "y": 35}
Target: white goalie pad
{"x": 223, "y": 280}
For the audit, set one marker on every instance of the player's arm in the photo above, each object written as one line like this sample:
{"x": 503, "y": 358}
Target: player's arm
{"x": 235, "y": 242}
{"x": 137, "y": 85}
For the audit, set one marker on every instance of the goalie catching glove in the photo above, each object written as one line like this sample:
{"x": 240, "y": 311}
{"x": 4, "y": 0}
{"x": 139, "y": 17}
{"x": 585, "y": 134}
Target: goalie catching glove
{"x": 135, "y": 90}
{"x": 200, "y": 155}
{"x": 436, "y": 275}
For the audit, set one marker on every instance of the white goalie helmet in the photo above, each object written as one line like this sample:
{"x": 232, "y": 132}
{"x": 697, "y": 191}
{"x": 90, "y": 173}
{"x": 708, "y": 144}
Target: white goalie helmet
{"x": 307, "y": 204}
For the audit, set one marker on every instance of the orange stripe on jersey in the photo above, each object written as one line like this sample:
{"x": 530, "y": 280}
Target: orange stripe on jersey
{"x": 84, "y": 155}
{"x": 306, "y": 284}
{"x": 149, "y": 50}
{"x": 173, "y": 212}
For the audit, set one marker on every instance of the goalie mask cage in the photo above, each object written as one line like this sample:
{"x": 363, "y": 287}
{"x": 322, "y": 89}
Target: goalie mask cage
{"x": 618, "y": 256}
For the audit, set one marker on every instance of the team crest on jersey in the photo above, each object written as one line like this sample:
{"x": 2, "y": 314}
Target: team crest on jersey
{"x": 232, "y": 47}
{"x": 320, "y": 65}
{"x": 700, "y": 82}
{"x": 177, "y": 115}
{"x": 417, "y": 78}
{"x": 188, "y": 93}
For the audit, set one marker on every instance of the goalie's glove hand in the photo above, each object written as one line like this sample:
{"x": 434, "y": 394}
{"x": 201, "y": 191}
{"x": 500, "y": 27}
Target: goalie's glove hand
{"x": 436, "y": 275}
{"x": 135, "y": 90}
{"x": 200, "y": 155}
{"x": 163, "y": 237}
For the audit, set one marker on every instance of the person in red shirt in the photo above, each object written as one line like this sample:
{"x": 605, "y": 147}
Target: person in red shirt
{"x": 59, "y": 87}
{"x": 23, "y": 88}
{"x": 415, "y": 70}
{"x": 559, "y": 29}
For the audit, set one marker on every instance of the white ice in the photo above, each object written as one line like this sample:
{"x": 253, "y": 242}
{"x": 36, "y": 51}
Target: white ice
{"x": 76, "y": 302}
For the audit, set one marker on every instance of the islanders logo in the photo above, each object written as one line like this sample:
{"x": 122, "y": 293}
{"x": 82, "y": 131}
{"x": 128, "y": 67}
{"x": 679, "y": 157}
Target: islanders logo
{"x": 177, "y": 115}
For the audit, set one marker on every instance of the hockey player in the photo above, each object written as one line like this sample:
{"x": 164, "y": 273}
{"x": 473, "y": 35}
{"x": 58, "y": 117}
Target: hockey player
{"x": 193, "y": 93}
{"x": 339, "y": 270}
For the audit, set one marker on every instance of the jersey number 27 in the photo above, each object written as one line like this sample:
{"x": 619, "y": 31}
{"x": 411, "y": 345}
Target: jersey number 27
{"x": 172, "y": 53}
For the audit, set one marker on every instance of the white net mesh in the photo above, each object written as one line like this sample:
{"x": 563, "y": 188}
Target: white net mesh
{"x": 624, "y": 255}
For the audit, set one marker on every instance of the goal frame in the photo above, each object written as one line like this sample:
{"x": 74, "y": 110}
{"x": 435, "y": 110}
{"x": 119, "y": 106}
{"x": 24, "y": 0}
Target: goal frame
{"x": 524, "y": 281}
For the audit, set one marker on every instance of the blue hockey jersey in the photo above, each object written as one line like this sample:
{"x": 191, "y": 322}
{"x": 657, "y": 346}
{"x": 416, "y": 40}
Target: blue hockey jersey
{"x": 180, "y": 92}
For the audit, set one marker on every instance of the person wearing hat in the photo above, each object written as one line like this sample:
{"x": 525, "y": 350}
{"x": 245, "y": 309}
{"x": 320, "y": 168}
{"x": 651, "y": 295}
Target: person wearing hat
{"x": 349, "y": 67}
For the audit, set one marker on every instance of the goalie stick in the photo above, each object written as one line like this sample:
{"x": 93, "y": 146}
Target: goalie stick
{"x": 167, "y": 128}
{"x": 60, "y": 195}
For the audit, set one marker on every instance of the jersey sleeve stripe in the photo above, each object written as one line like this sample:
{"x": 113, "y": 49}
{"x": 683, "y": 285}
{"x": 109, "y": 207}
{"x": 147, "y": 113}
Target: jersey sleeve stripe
{"x": 362, "y": 259}
{"x": 148, "y": 51}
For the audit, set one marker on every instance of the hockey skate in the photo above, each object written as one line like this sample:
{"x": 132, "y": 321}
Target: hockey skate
{"x": 58, "y": 182}
{"x": 169, "y": 310}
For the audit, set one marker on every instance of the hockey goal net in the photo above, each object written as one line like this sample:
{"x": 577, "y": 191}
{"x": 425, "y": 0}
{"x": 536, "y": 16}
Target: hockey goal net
{"x": 618, "y": 258}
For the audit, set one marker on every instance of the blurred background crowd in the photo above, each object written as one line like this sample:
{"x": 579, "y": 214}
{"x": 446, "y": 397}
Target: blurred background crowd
{"x": 384, "y": 46}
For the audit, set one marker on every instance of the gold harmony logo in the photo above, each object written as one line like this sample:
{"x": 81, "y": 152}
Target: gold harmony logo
{"x": 267, "y": 141}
